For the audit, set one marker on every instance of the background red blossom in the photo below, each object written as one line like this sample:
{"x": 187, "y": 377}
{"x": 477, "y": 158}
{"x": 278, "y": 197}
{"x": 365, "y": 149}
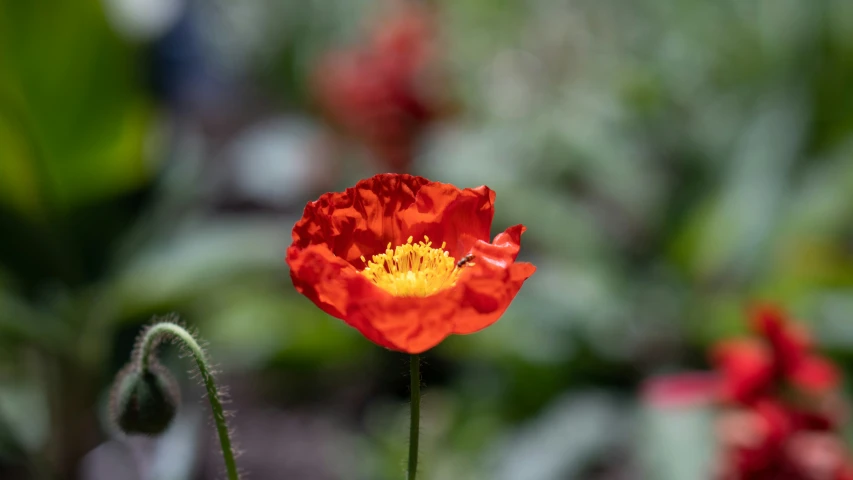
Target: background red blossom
{"x": 387, "y": 90}
{"x": 782, "y": 417}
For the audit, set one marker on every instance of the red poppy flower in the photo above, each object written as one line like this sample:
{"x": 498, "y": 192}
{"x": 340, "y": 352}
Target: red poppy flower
{"x": 388, "y": 257}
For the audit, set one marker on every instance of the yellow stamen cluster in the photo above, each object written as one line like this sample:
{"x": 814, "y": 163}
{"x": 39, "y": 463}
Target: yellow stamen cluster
{"x": 412, "y": 269}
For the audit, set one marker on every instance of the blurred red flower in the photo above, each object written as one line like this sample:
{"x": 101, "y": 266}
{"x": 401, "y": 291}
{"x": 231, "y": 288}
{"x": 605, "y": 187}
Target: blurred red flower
{"x": 386, "y": 256}
{"x": 387, "y": 91}
{"x": 793, "y": 358}
{"x": 781, "y": 356}
{"x": 782, "y": 405}
{"x": 746, "y": 369}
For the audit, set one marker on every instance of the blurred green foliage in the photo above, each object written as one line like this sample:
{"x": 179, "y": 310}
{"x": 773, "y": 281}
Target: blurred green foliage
{"x": 74, "y": 117}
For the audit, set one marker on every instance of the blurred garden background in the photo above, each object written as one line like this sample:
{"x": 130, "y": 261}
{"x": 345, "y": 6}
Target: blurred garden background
{"x": 673, "y": 161}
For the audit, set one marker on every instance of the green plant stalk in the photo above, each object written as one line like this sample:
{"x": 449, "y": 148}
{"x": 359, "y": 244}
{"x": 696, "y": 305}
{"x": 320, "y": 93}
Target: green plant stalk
{"x": 168, "y": 329}
{"x": 414, "y": 425}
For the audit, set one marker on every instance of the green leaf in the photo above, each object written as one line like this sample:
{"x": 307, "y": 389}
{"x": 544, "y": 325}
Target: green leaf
{"x": 72, "y": 113}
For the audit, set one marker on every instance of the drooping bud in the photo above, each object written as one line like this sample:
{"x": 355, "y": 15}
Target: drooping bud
{"x": 145, "y": 396}
{"x": 144, "y": 403}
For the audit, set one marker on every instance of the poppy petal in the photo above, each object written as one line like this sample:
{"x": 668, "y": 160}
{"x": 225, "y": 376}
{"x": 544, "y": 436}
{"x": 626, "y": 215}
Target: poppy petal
{"x": 492, "y": 284}
{"x": 444, "y": 213}
{"x": 321, "y": 276}
{"x": 389, "y": 208}
{"x": 407, "y": 324}
{"x": 360, "y": 220}
{"x": 330, "y": 282}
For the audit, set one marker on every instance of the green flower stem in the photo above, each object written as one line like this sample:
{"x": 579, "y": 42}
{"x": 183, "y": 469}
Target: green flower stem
{"x": 150, "y": 341}
{"x": 414, "y": 425}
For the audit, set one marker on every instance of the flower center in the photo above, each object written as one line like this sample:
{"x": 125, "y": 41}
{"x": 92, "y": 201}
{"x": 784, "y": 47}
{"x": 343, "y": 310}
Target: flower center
{"x": 412, "y": 269}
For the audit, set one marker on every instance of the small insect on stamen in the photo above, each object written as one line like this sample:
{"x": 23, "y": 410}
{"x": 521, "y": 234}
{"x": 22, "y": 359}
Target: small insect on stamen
{"x": 464, "y": 260}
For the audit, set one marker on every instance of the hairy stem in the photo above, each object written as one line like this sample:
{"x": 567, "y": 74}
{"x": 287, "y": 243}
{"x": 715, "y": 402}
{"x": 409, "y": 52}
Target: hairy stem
{"x": 414, "y": 425}
{"x": 149, "y": 342}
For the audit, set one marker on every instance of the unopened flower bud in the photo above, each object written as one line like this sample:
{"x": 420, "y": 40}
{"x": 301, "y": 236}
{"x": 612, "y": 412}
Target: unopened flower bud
{"x": 144, "y": 402}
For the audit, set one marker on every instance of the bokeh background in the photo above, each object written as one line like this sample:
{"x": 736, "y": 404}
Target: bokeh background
{"x": 672, "y": 160}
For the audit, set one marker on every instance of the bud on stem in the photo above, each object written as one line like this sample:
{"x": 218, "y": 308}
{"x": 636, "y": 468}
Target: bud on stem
{"x": 145, "y": 395}
{"x": 144, "y": 402}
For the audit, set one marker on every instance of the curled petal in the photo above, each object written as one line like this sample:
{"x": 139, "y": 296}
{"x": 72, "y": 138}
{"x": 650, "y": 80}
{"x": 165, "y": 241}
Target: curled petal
{"x": 489, "y": 288}
{"x": 503, "y": 251}
{"x": 487, "y": 297}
